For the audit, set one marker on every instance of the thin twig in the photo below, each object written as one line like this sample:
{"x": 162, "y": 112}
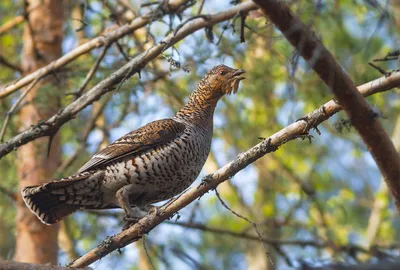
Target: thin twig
{"x": 12, "y": 66}
{"x": 16, "y": 20}
{"x": 201, "y": 7}
{"x": 14, "y": 107}
{"x": 121, "y": 50}
{"x": 255, "y": 225}
{"x": 394, "y": 55}
{"x": 30, "y": 30}
{"x": 204, "y": 17}
{"x": 93, "y": 70}
{"x": 318, "y": 244}
{"x": 147, "y": 252}
{"x": 346, "y": 248}
{"x": 9, "y": 193}
{"x": 91, "y": 124}
{"x": 381, "y": 70}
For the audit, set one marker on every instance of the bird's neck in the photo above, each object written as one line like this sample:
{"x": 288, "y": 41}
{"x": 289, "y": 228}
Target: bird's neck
{"x": 200, "y": 107}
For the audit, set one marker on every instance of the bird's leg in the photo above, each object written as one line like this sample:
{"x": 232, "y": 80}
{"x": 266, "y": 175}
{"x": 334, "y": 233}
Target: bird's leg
{"x": 132, "y": 215}
{"x": 150, "y": 209}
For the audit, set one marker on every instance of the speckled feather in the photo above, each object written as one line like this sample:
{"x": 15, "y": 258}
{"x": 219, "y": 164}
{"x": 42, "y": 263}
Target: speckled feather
{"x": 147, "y": 165}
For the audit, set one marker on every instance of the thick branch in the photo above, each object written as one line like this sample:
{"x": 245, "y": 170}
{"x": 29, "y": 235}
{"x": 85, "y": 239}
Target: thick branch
{"x": 50, "y": 126}
{"x": 332, "y": 74}
{"x": 97, "y": 42}
{"x": 211, "y": 181}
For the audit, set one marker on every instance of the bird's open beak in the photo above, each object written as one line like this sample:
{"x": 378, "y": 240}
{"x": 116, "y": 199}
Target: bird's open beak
{"x": 237, "y": 73}
{"x": 236, "y": 78}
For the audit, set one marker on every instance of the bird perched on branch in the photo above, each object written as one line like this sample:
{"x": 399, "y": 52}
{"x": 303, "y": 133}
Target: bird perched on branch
{"x": 145, "y": 166}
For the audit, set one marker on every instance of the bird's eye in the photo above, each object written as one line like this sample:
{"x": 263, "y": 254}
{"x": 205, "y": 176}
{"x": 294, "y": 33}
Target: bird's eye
{"x": 222, "y": 72}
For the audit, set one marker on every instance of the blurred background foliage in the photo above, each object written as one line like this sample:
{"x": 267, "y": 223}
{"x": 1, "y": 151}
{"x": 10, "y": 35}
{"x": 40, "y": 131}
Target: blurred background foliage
{"x": 327, "y": 193}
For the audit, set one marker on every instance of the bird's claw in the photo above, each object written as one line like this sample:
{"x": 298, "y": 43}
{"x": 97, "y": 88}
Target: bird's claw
{"x": 306, "y": 136}
{"x": 154, "y": 210}
{"x": 129, "y": 221}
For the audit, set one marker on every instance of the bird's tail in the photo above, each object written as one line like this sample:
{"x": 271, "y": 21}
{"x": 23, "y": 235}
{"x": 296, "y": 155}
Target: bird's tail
{"x": 53, "y": 201}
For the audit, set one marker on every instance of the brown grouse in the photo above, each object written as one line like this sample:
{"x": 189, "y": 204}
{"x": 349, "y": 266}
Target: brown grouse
{"x": 147, "y": 165}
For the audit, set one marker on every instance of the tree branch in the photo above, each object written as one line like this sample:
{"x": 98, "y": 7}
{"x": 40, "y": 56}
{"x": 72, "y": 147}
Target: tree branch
{"x": 16, "y": 20}
{"x": 11, "y": 24}
{"x": 15, "y": 106}
{"x": 211, "y": 181}
{"x": 248, "y": 236}
{"x": 93, "y": 70}
{"x": 11, "y": 66}
{"x": 9, "y": 193}
{"x": 345, "y": 248}
{"x": 139, "y": 22}
{"x": 332, "y": 74}
{"x": 51, "y": 126}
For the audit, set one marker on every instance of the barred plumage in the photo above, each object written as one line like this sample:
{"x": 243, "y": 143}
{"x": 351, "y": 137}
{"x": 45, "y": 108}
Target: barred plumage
{"x": 148, "y": 165}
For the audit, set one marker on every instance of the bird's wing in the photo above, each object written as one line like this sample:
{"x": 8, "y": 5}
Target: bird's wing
{"x": 151, "y": 135}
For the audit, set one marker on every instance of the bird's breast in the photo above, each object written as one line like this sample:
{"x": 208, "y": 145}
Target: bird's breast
{"x": 164, "y": 171}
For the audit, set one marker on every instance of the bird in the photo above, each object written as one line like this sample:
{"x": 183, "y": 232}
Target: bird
{"x": 148, "y": 165}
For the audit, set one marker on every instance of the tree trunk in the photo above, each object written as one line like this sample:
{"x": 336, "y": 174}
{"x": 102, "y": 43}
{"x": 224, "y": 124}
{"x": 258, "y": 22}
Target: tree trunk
{"x": 36, "y": 242}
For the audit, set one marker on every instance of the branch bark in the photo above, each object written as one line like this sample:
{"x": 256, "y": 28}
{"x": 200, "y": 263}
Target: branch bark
{"x": 211, "y": 181}
{"x": 51, "y": 126}
{"x": 333, "y": 75}
{"x": 139, "y": 22}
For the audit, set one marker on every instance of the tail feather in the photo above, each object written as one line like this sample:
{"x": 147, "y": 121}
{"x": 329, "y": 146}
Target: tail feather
{"x": 46, "y": 206}
{"x": 55, "y": 200}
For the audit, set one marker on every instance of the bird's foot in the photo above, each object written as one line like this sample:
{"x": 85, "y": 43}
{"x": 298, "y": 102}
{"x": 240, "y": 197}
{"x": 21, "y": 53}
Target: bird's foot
{"x": 205, "y": 181}
{"x": 154, "y": 210}
{"x": 129, "y": 221}
{"x": 306, "y": 136}
{"x": 139, "y": 213}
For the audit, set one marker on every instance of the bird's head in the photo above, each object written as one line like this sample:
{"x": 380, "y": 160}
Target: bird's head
{"x": 223, "y": 80}
{"x": 219, "y": 81}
